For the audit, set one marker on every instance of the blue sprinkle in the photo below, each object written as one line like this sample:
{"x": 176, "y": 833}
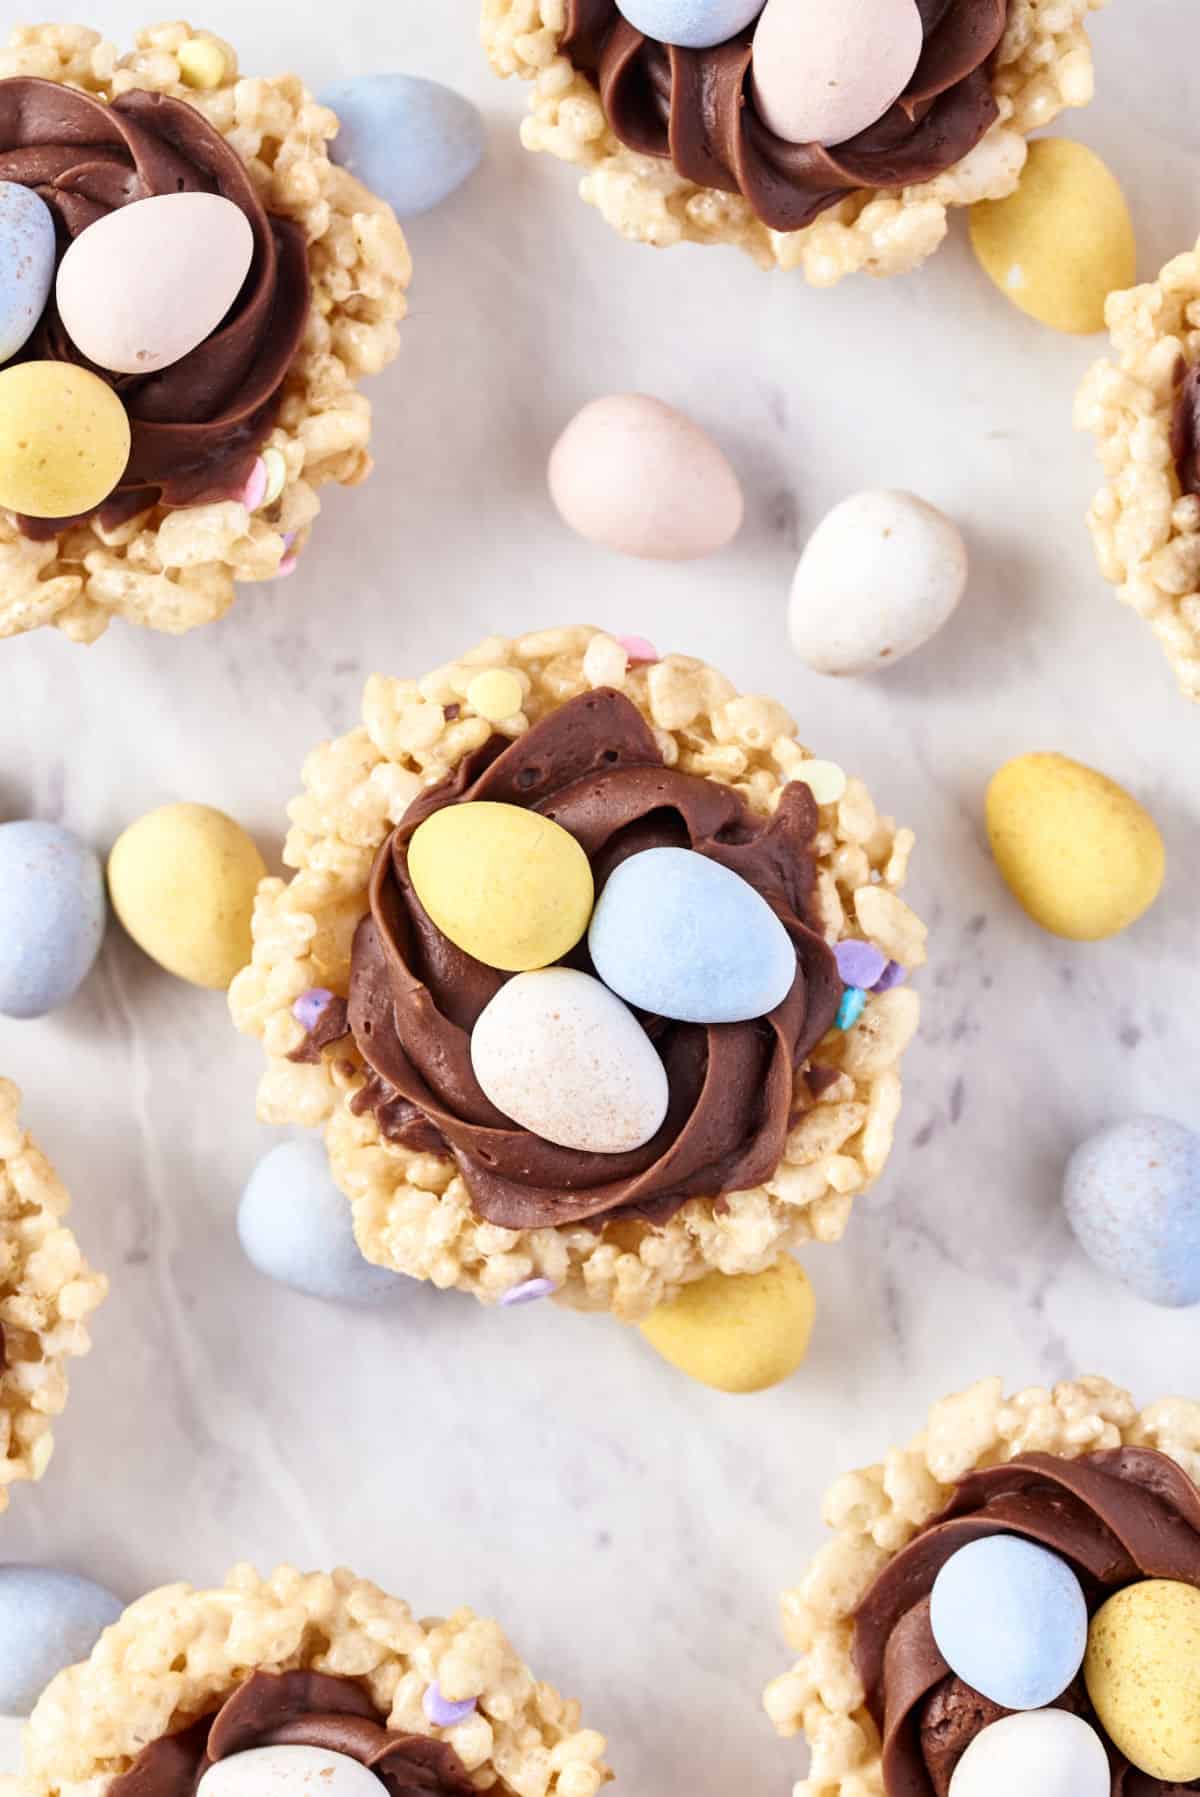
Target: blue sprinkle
{"x": 854, "y": 1003}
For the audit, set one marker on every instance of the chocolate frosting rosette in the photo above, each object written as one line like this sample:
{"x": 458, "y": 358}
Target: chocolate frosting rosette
{"x": 1143, "y": 404}
{"x": 557, "y": 1119}
{"x": 688, "y": 144}
{"x": 186, "y": 1681}
{"x": 230, "y": 441}
{"x": 901, "y": 1608}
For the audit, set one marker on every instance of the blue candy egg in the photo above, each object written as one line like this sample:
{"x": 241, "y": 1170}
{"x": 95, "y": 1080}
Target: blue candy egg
{"x": 296, "y": 1227}
{"x": 1010, "y": 1619}
{"x": 48, "y": 1620}
{"x": 52, "y": 913}
{"x": 409, "y": 140}
{"x": 1132, "y": 1196}
{"x": 692, "y": 24}
{"x": 679, "y": 935}
{"x": 28, "y": 258}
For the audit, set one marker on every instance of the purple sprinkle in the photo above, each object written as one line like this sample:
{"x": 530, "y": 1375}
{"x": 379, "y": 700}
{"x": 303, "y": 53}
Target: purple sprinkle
{"x": 860, "y": 963}
{"x": 441, "y": 1711}
{"x": 892, "y": 975}
{"x": 529, "y": 1292}
{"x": 255, "y": 489}
{"x": 309, "y": 1006}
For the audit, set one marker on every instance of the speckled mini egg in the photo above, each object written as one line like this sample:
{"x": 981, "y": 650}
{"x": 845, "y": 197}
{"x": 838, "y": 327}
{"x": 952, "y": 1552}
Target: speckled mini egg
{"x": 410, "y": 140}
{"x": 48, "y": 1620}
{"x": 1043, "y": 1753}
{"x": 297, "y": 1228}
{"x": 1143, "y": 1676}
{"x": 824, "y": 73}
{"x": 64, "y": 439}
{"x": 881, "y": 574}
{"x": 633, "y": 474}
{"x": 1010, "y": 1619}
{"x": 52, "y": 916}
{"x": 28, "y": 253}
{"x": 692, "y": 24}
{"x": 739, "y": 1333}
{"x": 289, "y": 1770}
{"x": 1132, "y": 1196}
{"x": 562, "y": 1056}
{"x": 506, "y": 885}
{"x": 182, "y": 881}
{"x": 1076, "y": 850}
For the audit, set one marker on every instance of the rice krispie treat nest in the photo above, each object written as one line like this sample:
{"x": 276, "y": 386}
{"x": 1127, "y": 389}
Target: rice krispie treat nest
{"x": 879, "y": 1512}
{"x": 475, "y": 1219}
{"x": 1144, "y": 408}
{"x": 47, "y": 1293}
{"x": 304, "y": 1648}
{"x": 167, "y": 550}
{"x": 878, "y": 202}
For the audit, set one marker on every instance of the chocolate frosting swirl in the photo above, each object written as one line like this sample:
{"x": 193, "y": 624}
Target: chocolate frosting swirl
{"x": 1117, "y": 1517}
{"x": 1185, "y": 429}
{"x": 594, "y": 767}
{"x": 297, "y": 1709}
{"x": 697, "y": 109}
{"x": 197, "y": 425}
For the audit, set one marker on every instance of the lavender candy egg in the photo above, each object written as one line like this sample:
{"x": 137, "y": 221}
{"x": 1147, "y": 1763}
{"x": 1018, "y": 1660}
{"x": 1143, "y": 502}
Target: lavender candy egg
{"x": 692, "y": 24}
{"x": 1132, "y": 1197}
{"x": 48, "y": 1620}
{"x": 297, "y": 1228}
{"x": 823, "y": 72}
{"x": 409, "y": 140}
{"x": 52, "y": 916}
{"x": 28, "y": 257}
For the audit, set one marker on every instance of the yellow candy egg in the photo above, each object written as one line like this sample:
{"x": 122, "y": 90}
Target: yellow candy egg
{"x": 64, "y": 439}
{"x": 1143, "y": 1676}
{"x": 1078, "y": 851}
{"x": 737, "y": 1334}
{"x": 182, "y": 881}
{"x": 506, "y": 885}
{"x": 1061, "y": 243}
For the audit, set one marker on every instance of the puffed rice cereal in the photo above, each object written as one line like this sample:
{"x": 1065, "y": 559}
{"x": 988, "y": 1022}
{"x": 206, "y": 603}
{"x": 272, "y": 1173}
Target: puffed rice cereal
{"x": 412, "y": 1211}
{"x": 174, "y": 570}
{"x": 177, "y": 1653}
{"x": 1043, "y": 65}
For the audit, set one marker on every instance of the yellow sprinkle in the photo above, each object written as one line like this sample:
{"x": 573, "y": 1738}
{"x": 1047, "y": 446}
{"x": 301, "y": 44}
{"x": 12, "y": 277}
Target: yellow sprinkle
{"x": 202, "y": 62}
{"x": 276, "y": 475}
{"x": 827, "y": 780}
{"x": 496, "y": 695}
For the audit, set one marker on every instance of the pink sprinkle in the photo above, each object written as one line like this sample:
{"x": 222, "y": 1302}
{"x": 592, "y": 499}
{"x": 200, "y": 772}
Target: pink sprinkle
{"x": 637, "y": 648}
{"x": 529, "y": 1292}
{"x": 255, "y": 490}
{"x": 287, "y": 566}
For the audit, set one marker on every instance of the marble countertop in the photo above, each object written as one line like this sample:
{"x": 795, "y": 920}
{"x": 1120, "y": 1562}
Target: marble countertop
{"x": 632, "y": 1529}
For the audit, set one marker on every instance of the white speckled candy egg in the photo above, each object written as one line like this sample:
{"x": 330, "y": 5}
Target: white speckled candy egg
{"x": 633, "y": 474}
{"x": 692, "y": 24}
{"x": 143, "y": 286}
{"x": 1044, "y": 1753}
{"x": 288, "y": 1771}
{"x": 881, "y": 574}
{"x": 27, "y": 258}
{"x": 561, "y": 1055}
{"x": 822, "y": 73}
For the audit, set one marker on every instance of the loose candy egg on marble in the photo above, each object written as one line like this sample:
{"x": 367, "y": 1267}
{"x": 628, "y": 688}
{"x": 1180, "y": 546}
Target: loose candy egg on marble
{"x": 1011, "y": 1620}
{"x": 182, "y": 881}
{"x": 824, "y": 73}
{"x": 28, "y": 253}
{"x": 288, "y": 1770}
{"x": 297, "y": 1228}
{"x": 1042, "y": 1753}
{"x": 881, "y": 574}
{"x": 410, "y": 140}
{"x": 633, "y": 474}
{"x": 48, "y": 1620}
{"x": 64, "y": 439}
{"x": 506, "y": 885}
{"x": 52, "y": 915}
{"x": 739, "y": 1333}
{"x": 1132, "y": 1196}
{"x": 562, "y": 1056}
{"x": 140, "y": 288}
{"x": 692, "y": 24}
{"x": 682, "y": 937}
{"x": 1076, "y": 850}
{"x": 1143, "y": 1676}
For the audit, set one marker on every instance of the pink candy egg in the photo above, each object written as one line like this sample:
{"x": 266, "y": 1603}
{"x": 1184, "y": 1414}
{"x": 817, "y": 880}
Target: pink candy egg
{"x": 823, "y": 72}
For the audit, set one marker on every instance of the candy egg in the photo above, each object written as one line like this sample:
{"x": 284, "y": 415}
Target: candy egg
{"x": 824, "y": 73}
{"x": 48, "y": 1620}
{"x": 1047, "y": 1752}
{"x": 64, "y": 439}
{"x": 28, "y": 253}
{"x": 559, "y": 1053}
{"x": 506, "y": 885}
{"x": 692, "y": 24}
{"x": 1143, "y": 1676}
{"x": 409, "y": 140}
{"x": 297, "y": 1228}
{"x": 1077, "y": 851}
{"x": 635, "y": 475}
{"x": 881, "y": 574}
{"x": 191, "y": 251}
{"x": 52, "y": 915}
{"x": 182, "y": 881}
{"x": 683, "y": 937}
{"x": 1061, "y": 243}
{"x": 737, "y": 1334}
{"x": 1132, "y": 1196}
{"x": 289, "y": 1771}
{"x": 1011, "y": 1620}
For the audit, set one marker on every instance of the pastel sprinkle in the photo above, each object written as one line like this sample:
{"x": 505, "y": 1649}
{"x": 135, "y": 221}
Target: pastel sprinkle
{"x": 854, "y": 1003}
{"x": 442, "y": 1711}
{"x": 276, "y": 475}
{"x": 287, "y": 566}
{"x": 860, "y": 964}
{"x": 827, "y": 780}
{"x": 496, "y": 694}
{"x": 310, "y": 1005}
{"x": 638, "y": 648}
{"x": 892, "y": 975}
{"x": 255, "y": 490}
{"x": 528, "y": 1293}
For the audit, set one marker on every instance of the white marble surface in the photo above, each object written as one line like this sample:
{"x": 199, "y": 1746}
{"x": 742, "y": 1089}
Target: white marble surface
{"x": 631, "y": 1528}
